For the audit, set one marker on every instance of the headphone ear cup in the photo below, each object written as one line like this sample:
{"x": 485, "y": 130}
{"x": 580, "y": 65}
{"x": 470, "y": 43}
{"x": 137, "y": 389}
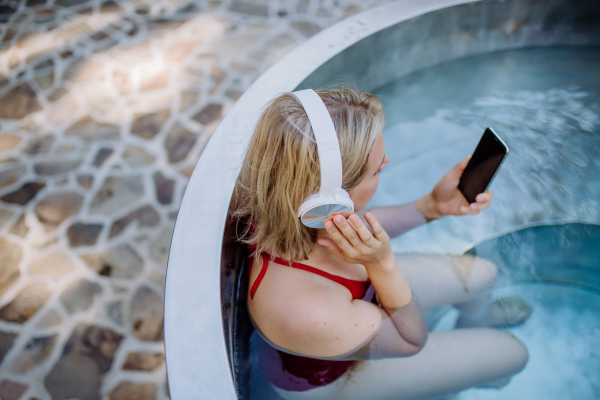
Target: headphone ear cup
{"x": 317, "y": 208}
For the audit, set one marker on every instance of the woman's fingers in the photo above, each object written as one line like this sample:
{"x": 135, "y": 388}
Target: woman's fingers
{"x": 378, "y": 231}
{"x": 348, "y": 230}
{"x": 363, "y": 232}
{"x": 471, "y": 209}
{"x": 458, "y": 169}
{"x": 482, "y": 201}
{"x": 337, "y": 235}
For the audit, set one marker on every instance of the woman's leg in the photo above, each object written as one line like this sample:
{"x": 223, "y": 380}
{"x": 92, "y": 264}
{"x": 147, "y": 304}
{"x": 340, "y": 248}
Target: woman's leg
{"x": 451, "y": 361}
{"x": 465, "y": 282}
{"x": 440, "y": 279}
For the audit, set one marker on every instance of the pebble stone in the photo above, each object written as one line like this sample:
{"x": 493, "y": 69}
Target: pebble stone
{"x": 11, "y": 390}
{"x": 81, "y": 234}
{"x": 9, "y": 264}
{"x": 55, "y": 208}
{"x": 79, "y": 295}
{"x": 143, "y": 361}
{"x": 26, "y": 303}
{"x": 105, "y": 107}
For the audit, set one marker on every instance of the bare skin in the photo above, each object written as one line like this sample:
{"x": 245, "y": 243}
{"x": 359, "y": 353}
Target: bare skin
{"x": 314, "y": 316}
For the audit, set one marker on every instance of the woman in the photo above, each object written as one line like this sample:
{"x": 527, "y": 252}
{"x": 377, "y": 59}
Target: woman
{"x": 340, "y": 313}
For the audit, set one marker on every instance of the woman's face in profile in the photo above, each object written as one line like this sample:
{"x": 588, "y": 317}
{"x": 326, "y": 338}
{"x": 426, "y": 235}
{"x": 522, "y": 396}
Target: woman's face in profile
{"x": 364, "y": 191}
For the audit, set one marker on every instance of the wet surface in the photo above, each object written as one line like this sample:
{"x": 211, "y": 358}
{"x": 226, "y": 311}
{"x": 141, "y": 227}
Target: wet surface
{"x": 545, "y": 103}
{"x": 105, "y": 108}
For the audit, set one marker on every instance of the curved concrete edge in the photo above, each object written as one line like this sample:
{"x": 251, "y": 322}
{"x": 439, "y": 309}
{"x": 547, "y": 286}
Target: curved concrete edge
{"x": 196, "y": 355}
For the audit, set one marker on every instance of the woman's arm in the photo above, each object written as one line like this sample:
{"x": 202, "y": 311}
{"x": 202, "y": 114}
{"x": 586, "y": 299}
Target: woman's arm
{"x": 317, "y": 318}
{"x": 444, "y": 199}
{"x": 402, "y": 330}
{"x": 396, "y": 220}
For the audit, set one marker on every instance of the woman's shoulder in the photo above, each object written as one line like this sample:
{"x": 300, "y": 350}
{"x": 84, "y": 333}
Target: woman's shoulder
{"x": 307, "y": 314}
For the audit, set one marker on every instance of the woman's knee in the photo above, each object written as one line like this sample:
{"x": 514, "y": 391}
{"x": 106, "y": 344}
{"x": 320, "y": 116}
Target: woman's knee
{"x": 490, "y": 270}
{"x": 511, "y": 351}
{"x": 476, "y": 273}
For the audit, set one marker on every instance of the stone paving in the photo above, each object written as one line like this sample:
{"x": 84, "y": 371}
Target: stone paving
{"x": 105, "y": 107}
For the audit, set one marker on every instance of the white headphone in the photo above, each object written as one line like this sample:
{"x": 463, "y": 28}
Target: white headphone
{"x": 331, "y": 197}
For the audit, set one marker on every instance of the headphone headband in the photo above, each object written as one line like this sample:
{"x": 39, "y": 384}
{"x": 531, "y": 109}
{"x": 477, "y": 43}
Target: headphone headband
{"x": 328, "y": 147}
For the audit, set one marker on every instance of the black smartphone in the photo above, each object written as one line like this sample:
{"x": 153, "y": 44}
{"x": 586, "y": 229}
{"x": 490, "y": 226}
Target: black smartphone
{"x": 483, "y": 166}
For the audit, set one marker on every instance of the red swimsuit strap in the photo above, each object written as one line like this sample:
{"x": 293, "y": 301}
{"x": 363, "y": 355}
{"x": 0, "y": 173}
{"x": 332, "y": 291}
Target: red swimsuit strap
{"x": 357, "y": 288}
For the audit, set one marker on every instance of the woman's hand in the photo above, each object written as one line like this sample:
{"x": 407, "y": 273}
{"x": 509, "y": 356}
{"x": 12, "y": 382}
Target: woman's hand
{"x": 447, "y": 199}
{"x": 358, "y": 246}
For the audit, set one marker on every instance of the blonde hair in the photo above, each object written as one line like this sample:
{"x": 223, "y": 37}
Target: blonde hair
{"x": 281, "y": 168}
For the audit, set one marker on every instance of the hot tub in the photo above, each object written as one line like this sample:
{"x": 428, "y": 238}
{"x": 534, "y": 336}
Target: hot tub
{"x": 206, "y": 328}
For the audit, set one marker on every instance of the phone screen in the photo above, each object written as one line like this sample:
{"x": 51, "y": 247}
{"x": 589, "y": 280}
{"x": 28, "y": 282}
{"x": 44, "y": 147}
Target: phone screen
{"x": 482, "y": 167}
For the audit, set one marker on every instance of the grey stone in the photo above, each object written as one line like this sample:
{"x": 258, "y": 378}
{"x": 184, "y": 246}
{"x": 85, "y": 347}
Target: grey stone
{"x": 55, "y": 208}
{"x": 281, "y": 40}
{"x": 209, "y": 113}
{"x": 6, "y": 341}
{"x": 19, "y": 228}
{"x": 188, "y": 98}
{"x": 26, "y": 303}
{"x": 88, "y": 129}
{"x": 54, "y": 264}
{"x": 147, "y": 315}
{"x": 302, "y": 6}
{"x": 101, "y": 156}
{"x": 305, "y": 28}
{"x": 79, "y": 295}
{"x": 9, "y": 264}
{"x": 86, "y": 357}
{"x": 39, "y": 145}
{"x": 115, "y": 193}
{"x": 351, "y": 10}
{"x": 23, "y": 194}
{"x": 70, "y": 3}
{"x": 136, "y": 156}
{"x": 120, "y": 262}
{"x": 51, "y": 318}
{"x": 11, "y": 174}
{"x": 35, "y": 352}
{"x": 250, "y": 8}
{"x": 5, "y": 216}
{"x": 99, "y": 36}
{"x": 45, "y": 81}
{"x": 164, "y": 188}
{"x": 11, "y": 390}
{"x": 143, "y": 361}
{"x": 19, "y": 102}
{"x": 85, "y": 181}
{"x": 179, "y": 142}
{"x": 55, "y": 167}
{"x": 81, "y": 234}
{"x": 145, "y": 216}
{"x": 147, "y": 126}
{"x": 114, "y": 310}
{"x": 131, "y": 391}
{"x": 159, "y": 248}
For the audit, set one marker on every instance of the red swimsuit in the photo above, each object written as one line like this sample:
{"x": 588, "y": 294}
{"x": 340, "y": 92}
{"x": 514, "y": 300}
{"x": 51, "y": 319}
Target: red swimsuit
{"x": 296, "y": 373}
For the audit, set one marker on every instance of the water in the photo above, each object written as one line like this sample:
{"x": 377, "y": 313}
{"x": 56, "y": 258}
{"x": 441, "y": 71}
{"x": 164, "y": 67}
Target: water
{"x": 545, "y": 103}
{"x": 543, "y": 229}
{"x": 556, "y": 269}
